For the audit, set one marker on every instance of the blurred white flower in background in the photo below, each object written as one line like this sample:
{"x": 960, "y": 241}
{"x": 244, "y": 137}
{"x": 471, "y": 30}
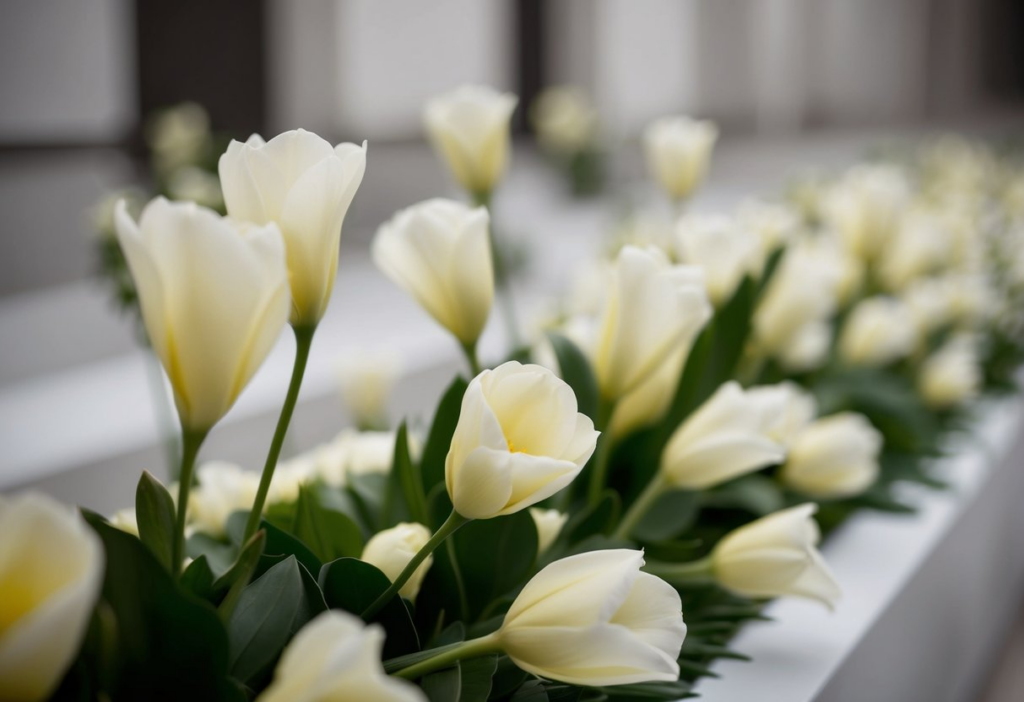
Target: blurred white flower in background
{"x": 723, "y": 248}
{"x": 366, "y": 380}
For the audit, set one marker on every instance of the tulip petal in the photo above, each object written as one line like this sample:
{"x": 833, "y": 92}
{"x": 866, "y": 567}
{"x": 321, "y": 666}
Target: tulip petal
{"x": 483, "y": 484}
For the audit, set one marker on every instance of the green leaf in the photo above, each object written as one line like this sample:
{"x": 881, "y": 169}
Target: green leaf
{"x": 198, "y": 579}
{"x": 354, "y": 585}
{"x": 439, "y": 440}
{"x": 598, "y": 519}
{"x": 155, "y": 511}
{"x": 754, "y": 493}
{"x": 233, "y": 583}
{"x": 671, "y": 514}
{"x": 367, "y": 493}
{"x": 575, "y": 370}
{"x": 494, "y": 556}
{"x": 407, "y": 472}
{"x": 648, "y": 691}
{"x": 280, "y": 545}
{"x": 270, "y": 612}
{"x": 476, "y": 674}
{"x": 328, "y": 533}
{"x": 161, "y": 630}
{"x": 442, "y": 597}
{"x": 444, "y": 685}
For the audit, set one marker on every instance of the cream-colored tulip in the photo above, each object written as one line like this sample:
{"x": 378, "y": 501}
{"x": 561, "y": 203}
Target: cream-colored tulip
{"x": 879, "y": 331}
{"x": 519, "y": 440}
{"x": 355, "y": 452}
{"x": 648, "y": 402}
{"x": 549, "y": 523}
{"x": 304, "y": 185}
{"x": 367, "y": 381}
{"x": 835, "y": 456}
{"x": 723, "y": 249}
{"x": 808, "y": 349}
{"x": 392, "y": 549}
{"x": 920, "y": 247}
{"x": 51, "y": 570}
{"x": 788, "y": 407}
{"x": 865, "y": 206}
{"x": 931, "y": 303}
{"x": 596, "y": 619}
{"x": 337, "y": 657}
{"x": 776, "y": 556}
{"x": 726, "y": 437}
{"x": 471, "y": 128}
{"x": 774, "y": 224}
{"x": 214, "y": 298}
{"x": 224, "y": 488}
{"x": 126, "y": 520}
{"x": 565, "y": 119}
{"x": 439, "y": 252}
{"x": 678, "y": 151}
{"x": 652, "y": 308}
{"x": 951, "y": 375}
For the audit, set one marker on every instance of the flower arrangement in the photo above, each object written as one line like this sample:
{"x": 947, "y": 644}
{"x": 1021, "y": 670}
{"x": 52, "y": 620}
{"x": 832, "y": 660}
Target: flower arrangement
{"x": 592, "y": 518}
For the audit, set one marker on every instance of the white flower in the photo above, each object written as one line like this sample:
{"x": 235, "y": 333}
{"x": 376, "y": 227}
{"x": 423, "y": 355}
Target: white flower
{"x": 596, "y": 619}
{"x": 336, "y": 657}
{"x": 439, "y": 252}
{"x": 355, "y": 452}
{"x": 726, "y": 437}
{"x": 678, "y": 150}
{"x": 774, "y": 224}
{"x": 126, "y": 520}
{"x": 470, "y": 127}
{"x": 366, "y": 381}
{"x": 304, "y": 185}
{"x": 196, "y": 185}
{"x": 722, "y": 248}
{"x": 549, "y": 523}
{"x": 223, "y": 488}
{"x": 776, "y": 556}
{"x": 879, "y": 331}
{"x": 835, "y": 456}
{"x": 214, "y": 298}
{"x": 952, "y": 374}
{"x": 921, "y": 246}
{"x": 392, "y": 549}
{"x": 789, "y": 409}
{"x": 519, "y": 440}
{"x": 51, "y": 571}
{"x": 865, "y": 207}
{"x": 565, "y": 119}
{"x": 648, "y": 402}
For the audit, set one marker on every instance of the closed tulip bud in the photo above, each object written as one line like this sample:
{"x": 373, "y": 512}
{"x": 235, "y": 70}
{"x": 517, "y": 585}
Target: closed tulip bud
{"x": 649, "y": 401}
{"x": 776, "y": 556}
{"x": 51, "y": 570}
{"x": 223, "y": 489}
{"x": 596, "y": 619}
{"x": 678, "y": 150}
{"x": 471, "y": 128}
{"x": 549, "y": 523}
{"x": 951, "y": 375}
{"x": 865, "y": 208}
{"x": 724, "y": 251}
{"x": 652, "y": 308}
{"x": 879, "y": 331}
{"x": 304, "y": 185}
{"x": 565, "y": 120}
{"x": 214, "y": 298}
{"x": 726, "y": 437}
{"x": 336, "y": 657}
{"x": 439, "y": 252}
{"x": 833, "y": 457}
{"x": 789, "y": 409}
{"x": 519, "y": 440}
{"x": 392, "y": 549}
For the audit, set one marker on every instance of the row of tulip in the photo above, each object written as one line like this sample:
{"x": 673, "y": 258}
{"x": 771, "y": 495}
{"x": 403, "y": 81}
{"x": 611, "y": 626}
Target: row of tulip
{"x": 712, "y": 384}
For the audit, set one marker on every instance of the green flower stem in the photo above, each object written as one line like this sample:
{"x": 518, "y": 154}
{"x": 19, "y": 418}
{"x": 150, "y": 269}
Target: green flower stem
{"x": 454, "y": 521}
{"x": 471, "y": 358}
{"x": 448, "y": 656}
{"x": 303, "y": 343}
{"x": 191, "y": 440}
{"x": 603, "y": 453}
{"x": 680, "y": 574}
{"x": 639, "y": 508}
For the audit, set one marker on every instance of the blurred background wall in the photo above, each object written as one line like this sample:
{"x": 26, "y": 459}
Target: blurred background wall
{"x": 77, "y": 78}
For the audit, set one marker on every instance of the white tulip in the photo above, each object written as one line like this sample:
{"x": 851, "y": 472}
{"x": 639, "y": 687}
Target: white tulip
{"x": 392, "y": 549}
{"x": 951, "y": 375}
{"x": 835, "y": 456}
{"x": 439, "y": 252}
{"x": 726, "y": 437}
{"x": 519, "y": 440}
{"x": 648, "y": 402}
{"x": 678, "y": 150}
{"x": 214, "y": 298}
{"x": 565, "y": 119}
{"x": 304, "y": 185}
{"x": 355, "y": 452}
{"x": 549, "y": 523}
{"x": 652, "y": 309}
{"x": 336, "y": 657}
{"x": 775, "y": 225}
{"x": 789, "y": 409}
{"x": 596, "y": 619}
{"x": 920, "y": 247}
{"x": 776, "y": 556}
{"x": 808, "y": 348}
{"x": 223, "y": 488}
{"x": 288, "y": 479}
{"x": 471, "y": 128}
{"x": 931, "y": 302}
{"x": 367, "y": 381}
{"x": 865, "y": 208}
{"x": 126, "y": 520}
{"x": 879, "y": 331}
{"x": 723, "y": 249}
{"x": 51, "y": 571}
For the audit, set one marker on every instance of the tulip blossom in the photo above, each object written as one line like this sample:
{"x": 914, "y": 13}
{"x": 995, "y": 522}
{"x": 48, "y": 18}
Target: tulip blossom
{"x": 951, "y": 375}
{"x": 723, "y": 249}
{"x": 678, "y": 150}
{"x": 304, "y": 185}
{"x": 223, "y": 488}
{"x": 392, "y": 549}
{"x": 865, "y": 208}
{"x": 471, "y": 128}
{"x": 51, "y": 571}
{"x": 549, "y": 523}
{"x": 835, "y": 456}
{"x": 336, "y": 657}
{"x": 439, "y": 252}
{"x": 214, "y": 298}
{"x": 776, "y": 556}
{"x": 879, "y": 331}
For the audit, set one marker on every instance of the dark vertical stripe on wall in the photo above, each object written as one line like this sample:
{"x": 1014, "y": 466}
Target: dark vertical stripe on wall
{"x": 209, "y": 52}
{"x": 530, "y": 40}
